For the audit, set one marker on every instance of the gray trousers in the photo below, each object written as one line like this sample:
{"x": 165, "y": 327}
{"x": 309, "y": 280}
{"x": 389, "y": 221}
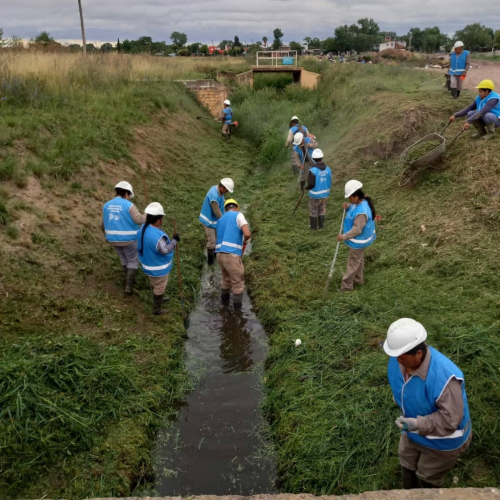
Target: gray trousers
{"x": 456, "y": 82}
{"x": 128, "y": 255}
{"x": 487, "y": 118}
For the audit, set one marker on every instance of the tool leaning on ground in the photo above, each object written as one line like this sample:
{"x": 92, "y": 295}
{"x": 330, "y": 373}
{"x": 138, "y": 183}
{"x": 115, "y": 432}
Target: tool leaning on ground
{"x": 330, "y": 275}
{"x": 185, "y": 319}
{"x": 233, "y": 124}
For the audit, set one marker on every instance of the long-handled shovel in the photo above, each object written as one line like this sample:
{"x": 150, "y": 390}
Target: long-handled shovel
{"x": 185, "y": 319}
{"x": 298, "y": 203}
{"x": 327, "y": 285}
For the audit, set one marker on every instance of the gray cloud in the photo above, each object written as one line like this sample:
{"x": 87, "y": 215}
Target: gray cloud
{"x": 203, "y": 21}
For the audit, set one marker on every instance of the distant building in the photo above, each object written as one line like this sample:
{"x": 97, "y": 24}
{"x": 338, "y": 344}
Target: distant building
{"x": 398, "y": 45}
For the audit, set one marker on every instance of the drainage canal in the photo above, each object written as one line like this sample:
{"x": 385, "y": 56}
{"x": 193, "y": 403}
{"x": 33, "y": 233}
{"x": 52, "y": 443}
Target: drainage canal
{"x": 218, "y": 444}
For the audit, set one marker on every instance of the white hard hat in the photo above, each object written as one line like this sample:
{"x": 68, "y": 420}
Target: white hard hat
{"x": 294, "y": 118}
{"x": 351, "y": 187}
{"x": 458, "y": 44}
{"x": 317, "y": 154}
{"x": 227, "y": 101}
{"x": 127, "y": 186}
{"x": 403, "y": 335}
{"x": 228, "y": 184}
{"x": 298, "y": 138}
{"x": 154, "y": 209}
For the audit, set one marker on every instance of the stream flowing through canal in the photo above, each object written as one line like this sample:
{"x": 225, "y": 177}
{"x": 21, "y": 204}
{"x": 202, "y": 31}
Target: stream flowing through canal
{"x": 218, "y": 445}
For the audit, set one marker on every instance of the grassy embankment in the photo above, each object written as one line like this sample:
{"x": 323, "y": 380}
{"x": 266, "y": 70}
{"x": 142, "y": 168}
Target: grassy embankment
{"x": 436, "y": 259}
{"x": 86, "y": 376}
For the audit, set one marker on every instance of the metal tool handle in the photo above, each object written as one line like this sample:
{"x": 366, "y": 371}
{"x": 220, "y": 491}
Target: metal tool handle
{"x": 338, "y": 246}
{"x": 456, "y": 137}
{"x": 446, "y": 126}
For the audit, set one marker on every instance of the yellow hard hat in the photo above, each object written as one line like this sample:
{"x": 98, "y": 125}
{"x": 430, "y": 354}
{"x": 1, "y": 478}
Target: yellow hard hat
{"x": 486, "y": 84}
{"x": 234, "y": 202}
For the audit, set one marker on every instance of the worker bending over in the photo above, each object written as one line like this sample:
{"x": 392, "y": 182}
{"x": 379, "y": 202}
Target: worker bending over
{"x": 359, "y": 227}
{"x": 302, "y": 156}
{"x": 296, "y": 127}
{"x": 484, "y": 112}
{"x": 120, "y": 222}
{"x": 233, "y": 232}
{"x": 211, "y": 211}
{"x": 156, "y": 252}
{"x": 459, "y": 65}
{"x": 319, "y": 184}
{"x": 430, "y": 391}
{"x": 226, "y": 117}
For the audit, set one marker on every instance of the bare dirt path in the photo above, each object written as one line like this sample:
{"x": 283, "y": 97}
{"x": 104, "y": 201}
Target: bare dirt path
{"x": 481, "y": 70}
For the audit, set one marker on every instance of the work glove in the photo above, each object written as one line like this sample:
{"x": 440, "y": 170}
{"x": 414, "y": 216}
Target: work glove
{"x": 176, "y": 237}
{"x": 407, "y": 424}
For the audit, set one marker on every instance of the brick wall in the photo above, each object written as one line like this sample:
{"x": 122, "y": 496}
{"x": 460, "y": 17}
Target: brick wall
{"x": 211, "y": 98}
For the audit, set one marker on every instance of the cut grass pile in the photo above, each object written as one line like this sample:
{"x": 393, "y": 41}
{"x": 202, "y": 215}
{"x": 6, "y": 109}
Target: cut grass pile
{"x": 421, "y": 150}
{"x": 435, "y": 260}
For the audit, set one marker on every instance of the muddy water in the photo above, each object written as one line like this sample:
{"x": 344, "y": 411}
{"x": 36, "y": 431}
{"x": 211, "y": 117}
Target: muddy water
{"x": 218, "y": 444}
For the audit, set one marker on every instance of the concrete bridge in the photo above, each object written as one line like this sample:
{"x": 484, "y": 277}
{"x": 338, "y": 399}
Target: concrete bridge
{"x": 306, "y": 79}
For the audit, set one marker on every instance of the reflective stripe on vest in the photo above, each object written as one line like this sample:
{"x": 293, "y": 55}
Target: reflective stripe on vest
{"x": 229, "y": 235}
{"x": 207, "y": 216}
{"x": 458, "y": 63}
{"x": 119, "y": 227}
{"x": 323, "y": 183}
{"x": 153, "y": 262}
{"x": 480, "y": 103}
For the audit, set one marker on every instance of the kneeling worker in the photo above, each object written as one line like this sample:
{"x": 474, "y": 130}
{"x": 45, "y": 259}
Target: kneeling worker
{"x": 430, "y": 391}
{"x": 484, "y": 112}
{"x": 211, "y": 211}
{"x": 232, "y": 231}
{"x": 319, "y": 184}
{"x": 120, "y": 223}
{"x": 156, "y": 252}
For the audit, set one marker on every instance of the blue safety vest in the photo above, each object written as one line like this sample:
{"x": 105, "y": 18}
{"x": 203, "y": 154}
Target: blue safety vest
{"x": 323, "y": 183}
{"x": 207, "y": 216}
{"x": 300, "y": 152}
{"x": 299, "y": 128}
{"x": 368, "y": 236}
{"x": 153, "y": 262}
{"x": 229, "y": 235}
{"x": 118, "y": 224}
{"x": 457, "y": 63}
{"x": 481, "y": 102}
{"x": 228, "y": 118}
{"x": 418, "y": 397}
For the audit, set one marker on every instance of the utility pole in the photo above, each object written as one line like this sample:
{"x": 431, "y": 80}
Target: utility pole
{"x": 83, "y": 28}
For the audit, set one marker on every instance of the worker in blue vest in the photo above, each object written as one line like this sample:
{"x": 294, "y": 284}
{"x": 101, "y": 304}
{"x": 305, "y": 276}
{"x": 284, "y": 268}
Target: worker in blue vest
{"x": 302, "y": 156}
{"x": 484, "y": 112}
{"x": 359, "y": 232}
{"x": 296, "y": 127}
{"x": 226, "y": 116}
{"x": 156, "y": 252}
{"x": 211, "y": 211}
{"x": 319, "y": 184}
{"x": 120, "y": 222}
{"x": 233, "y": 232}
{"x": 430, "y": 392}
{"x": 459, "y": 65}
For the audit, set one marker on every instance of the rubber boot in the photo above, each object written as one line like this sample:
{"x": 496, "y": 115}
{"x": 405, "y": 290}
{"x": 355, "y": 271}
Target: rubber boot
{"x": 210, "y": 256}
{"x": 313, "y": 222}
{"x": 237, "y": 300}
{"x": 125, "y": 272}
{"x": 490, "y": 131}
{"x": 130, "y": 280}
{"x": 458, "y": 94}
{"x": 481, "y": 131}
{"x": 157, "y": 303}
{"x": 454, "y": 93}
{"x": 321, "y": 221}
{"x": 410, "y": 479}
{"x": 426, "y": 485}
{"x": 228, "y": 138}
{"x": 225, "y": 295}
{"x": 302, "y": 185}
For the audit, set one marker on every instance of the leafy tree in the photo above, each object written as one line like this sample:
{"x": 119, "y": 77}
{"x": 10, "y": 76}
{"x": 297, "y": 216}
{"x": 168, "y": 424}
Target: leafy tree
{"x": 178, "y": 39}
{"x": 75, "y": 47}
{"x": 91, "y": 47}
{"x": 161, "y": 48}
{"x": 312, "y": 43}
{"x": 368, "y": 27}
{"x": 264, "y": 41}
{"x": 475, "y": 36}
{"x": 497, "y": 40}
{"x": 144, "y": 44}
{"x": 254, "y": 48}
{"x": 118, "y": 46}
{"x": 15, "y": 42}
{"x": 296, "y": 46}
{"x": 237, "y": 42}
{"x": 278, "y": 35}
{"x": 2, "y": 39}
{"x": 127, "y": 46}
{"x": 183, "y": 52}
{"x": 343, "y": 38}
{"x": 194, "y": 47}
{"x": 330, "y": 44}
{"x": 106, "y": 47}
{"x": 204, "y": 49}
{"x": 43, "y": 39}
{"x": 225, "y": 43}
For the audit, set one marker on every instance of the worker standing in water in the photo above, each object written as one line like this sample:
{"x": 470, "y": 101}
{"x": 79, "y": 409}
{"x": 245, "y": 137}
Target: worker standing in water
{"x": 459, "y": 65}
{"x": 211, "y": 211}
{"x": 233, "y": 232}
{"x": 484, "y": 112}
{"x": 120, "y": 222}
{"x": 156, "y": 252}
{"x": 296, "y": 127}
{"x": 319, "y": 184}
{"x": 430, "y": 391}
{"x": 302, "y": 156}
{"x": 226, "y": 116}
{"x": 359, "y": 227}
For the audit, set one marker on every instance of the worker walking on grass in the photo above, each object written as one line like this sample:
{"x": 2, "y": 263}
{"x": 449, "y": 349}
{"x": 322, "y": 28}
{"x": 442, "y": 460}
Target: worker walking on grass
{"x": 319, "y": 184}
{"x": 484, "y": 112}
{"x": 302, "y": 156}
{"x": 296, "y": 127}
{"x": 120, "y": 222}
{"x": 233, "y": 232}
{"x": 430, "y": 391}
{"x": 459, "y": 65}
{"x": 156, "y": 252}
{"x": 211, "y": 211}
{"x": 359, "y": 227}
{"x": 226, "y": 117}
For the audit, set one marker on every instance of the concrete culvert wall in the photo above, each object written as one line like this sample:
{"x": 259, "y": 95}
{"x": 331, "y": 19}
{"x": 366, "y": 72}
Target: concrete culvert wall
{"x": 210, "y": 94}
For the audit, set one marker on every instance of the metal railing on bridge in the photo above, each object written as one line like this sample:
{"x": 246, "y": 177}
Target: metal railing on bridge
{"x": 277, "y": 58}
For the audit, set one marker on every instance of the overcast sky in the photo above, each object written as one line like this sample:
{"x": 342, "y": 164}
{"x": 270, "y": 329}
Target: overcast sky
{"x": 204, "y": 21}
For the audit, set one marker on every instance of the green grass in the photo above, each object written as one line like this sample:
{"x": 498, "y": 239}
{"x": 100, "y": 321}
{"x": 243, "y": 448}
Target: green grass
{"x": 486, "y": 56}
